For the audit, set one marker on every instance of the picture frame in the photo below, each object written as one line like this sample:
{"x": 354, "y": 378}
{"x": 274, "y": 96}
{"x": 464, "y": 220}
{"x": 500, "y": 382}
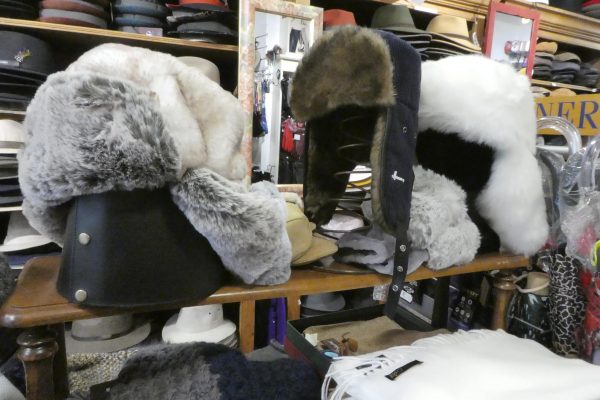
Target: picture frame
{"x": 511, "y": 35}
{"x": 313, "y": 27}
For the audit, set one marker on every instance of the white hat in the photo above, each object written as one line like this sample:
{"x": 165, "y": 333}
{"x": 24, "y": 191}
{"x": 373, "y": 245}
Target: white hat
{"x": 198, "y": 324}
{"x": 20, "y": 235}
{"x": 208, "y": 68}
{"x": 105, "y": 334}
{"x": 12, "y": 136}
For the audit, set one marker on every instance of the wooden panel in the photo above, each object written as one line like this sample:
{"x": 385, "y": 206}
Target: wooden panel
{"x": 35, "y": 300}
{"x": 83, "y": 38}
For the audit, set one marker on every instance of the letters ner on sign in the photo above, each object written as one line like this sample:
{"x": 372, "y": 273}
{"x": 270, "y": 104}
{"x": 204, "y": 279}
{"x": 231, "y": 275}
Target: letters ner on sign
{"x": 583, "y": 111}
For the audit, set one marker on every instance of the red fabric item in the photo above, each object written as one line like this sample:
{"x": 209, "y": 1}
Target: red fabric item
{"x": 590, "y": 3}
{"x": 336, "y": 17}
{"x": 287, "y": 137}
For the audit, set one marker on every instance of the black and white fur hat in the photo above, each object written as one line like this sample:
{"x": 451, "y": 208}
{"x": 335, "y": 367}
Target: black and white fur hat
{"x": 477, "y": 126}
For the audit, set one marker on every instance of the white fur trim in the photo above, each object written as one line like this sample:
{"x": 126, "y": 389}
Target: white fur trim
{"x": 204, "y": 120}
{"x": 487, "y": 102}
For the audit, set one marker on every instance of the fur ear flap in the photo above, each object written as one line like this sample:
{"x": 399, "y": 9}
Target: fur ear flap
{"x": 346, "y": 66}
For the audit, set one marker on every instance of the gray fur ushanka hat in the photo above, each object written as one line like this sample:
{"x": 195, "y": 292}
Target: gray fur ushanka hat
{"x": 89, "y": 133}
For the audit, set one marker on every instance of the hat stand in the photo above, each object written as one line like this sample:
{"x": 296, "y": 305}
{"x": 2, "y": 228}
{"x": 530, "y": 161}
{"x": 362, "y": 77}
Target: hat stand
{"x": 350, "y": 151}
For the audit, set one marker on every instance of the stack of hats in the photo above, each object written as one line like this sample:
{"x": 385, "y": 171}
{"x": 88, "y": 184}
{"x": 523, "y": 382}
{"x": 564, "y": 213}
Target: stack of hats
{"x": 22, "y": 9}
{"x": 88, "y": 13}
{"x": 25, "y": 62}
{"x": 587, "y": 76}
{"x": 397, "y": 19}
{"x": 336, "y": 17}
{"x": 544, "y": 56}
{"x": 591, "y": 8}
{"x": 200, "y": 324}
{"x": 565, "y": 67}
{"x": 21, "y": 241}
{"x": 450, "y": 36}
{"x": 140, "y": 16}
{"x": 204, "y": 21}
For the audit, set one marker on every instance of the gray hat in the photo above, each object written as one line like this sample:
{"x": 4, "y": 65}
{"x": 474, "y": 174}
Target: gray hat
{"x": 105, "y": 334}
{"x": 395, "y": 17}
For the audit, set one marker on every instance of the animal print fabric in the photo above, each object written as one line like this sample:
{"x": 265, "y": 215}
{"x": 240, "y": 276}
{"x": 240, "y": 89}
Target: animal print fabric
{"x": 567, "y": 304}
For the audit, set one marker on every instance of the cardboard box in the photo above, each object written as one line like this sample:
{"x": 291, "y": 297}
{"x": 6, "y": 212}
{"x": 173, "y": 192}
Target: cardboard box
{"x": 298, "y": 347}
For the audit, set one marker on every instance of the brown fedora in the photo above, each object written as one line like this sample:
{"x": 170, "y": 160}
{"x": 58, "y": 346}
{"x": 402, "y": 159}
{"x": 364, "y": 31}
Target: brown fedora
{"x": 452, "y": 31}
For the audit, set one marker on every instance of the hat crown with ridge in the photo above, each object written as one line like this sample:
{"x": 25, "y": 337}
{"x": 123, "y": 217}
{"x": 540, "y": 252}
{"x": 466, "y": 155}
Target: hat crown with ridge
{"x": 200, "y": 318}
{"x": 299, "y": 230}
{"x": 392, "y": 16}
{"x": 449, "y": 25}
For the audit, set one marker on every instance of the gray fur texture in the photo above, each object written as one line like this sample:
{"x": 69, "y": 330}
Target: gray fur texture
{"x": 333, "y": 73}
{"x": 246, "y": 228}
{"x": 86, "y": 134}
{"x": 439, "y": 222}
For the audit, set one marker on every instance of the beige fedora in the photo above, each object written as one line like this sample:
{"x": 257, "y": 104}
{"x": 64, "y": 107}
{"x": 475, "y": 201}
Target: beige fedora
{"x": 105, "y": 334}
{"x": 306, "y": 247}
{"x": 453, "y": 31}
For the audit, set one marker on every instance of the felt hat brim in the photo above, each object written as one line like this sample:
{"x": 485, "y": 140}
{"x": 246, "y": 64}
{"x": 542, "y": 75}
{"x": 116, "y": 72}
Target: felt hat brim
{"x": 318, "y": 249}
{"x": 136, "y": 336}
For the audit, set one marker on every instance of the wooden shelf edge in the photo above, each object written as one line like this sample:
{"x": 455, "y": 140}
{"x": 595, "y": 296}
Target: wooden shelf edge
{"x": 106, "y": 33}
{"x": 58, "y": 309}
{"x": 540, "y": 82}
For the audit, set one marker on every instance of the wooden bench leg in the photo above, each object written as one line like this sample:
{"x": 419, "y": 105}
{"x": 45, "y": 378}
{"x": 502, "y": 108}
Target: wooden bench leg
{"x": 37, "y": 349}
{"x": 504, "y": 288}
{"x": 61, "y": 381}
{"x": 293, "y": 308}
{"x": 247, "y": 316}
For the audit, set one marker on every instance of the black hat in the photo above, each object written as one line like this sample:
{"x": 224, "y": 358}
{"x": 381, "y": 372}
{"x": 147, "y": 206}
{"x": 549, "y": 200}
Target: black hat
{"x": 25, "y": 55}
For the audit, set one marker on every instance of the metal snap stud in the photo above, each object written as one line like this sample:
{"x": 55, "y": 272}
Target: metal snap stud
{"x": 399, "y": 268}
{"x": 84, "y": 238}
{"x": 404, "y": 129}
{"x": 395, "y": 288}
{"x": 402, "y": 248}
{"x": 80, "y": 295}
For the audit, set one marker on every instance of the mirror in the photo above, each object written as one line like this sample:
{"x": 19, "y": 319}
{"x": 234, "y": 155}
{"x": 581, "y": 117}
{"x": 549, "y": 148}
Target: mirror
{"x": 274, "y": 35}
{"x": 511, "y": 34}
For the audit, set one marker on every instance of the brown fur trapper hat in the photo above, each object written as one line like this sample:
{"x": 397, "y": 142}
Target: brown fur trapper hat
{"x": 347, "y": 66}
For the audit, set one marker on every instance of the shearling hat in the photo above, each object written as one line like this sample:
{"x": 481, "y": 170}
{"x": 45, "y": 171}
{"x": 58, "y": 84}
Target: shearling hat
{"x": 89, "y": 133}
{"x": 484, "y": 139}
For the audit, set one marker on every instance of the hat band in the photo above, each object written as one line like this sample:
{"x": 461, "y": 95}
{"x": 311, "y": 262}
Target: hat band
{"x": 97, "y": 338}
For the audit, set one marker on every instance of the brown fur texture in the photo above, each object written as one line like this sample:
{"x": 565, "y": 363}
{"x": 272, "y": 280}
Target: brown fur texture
{"x": 333, "y": 75}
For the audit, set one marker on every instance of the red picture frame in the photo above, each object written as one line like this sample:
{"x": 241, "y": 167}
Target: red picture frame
{"x": 513, "y": 50}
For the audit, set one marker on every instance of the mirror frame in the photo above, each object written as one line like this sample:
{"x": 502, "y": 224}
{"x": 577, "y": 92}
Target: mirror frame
{"x": 497, "y": 7}
{"x": 248, "y": 9}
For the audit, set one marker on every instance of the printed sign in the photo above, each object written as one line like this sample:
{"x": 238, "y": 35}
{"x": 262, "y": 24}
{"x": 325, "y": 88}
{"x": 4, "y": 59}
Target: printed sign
{"x": 582, "y": 111}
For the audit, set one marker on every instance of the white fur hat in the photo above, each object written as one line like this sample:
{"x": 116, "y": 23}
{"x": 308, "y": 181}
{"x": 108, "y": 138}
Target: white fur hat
{"x": 488, "y": 103}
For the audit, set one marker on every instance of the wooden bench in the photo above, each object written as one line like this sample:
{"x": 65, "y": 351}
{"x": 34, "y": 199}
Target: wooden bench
{"x": 36, "y": 305}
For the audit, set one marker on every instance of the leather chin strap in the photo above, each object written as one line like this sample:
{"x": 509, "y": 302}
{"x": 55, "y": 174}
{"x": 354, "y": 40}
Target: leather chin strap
{"x": 391, "y": 307}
